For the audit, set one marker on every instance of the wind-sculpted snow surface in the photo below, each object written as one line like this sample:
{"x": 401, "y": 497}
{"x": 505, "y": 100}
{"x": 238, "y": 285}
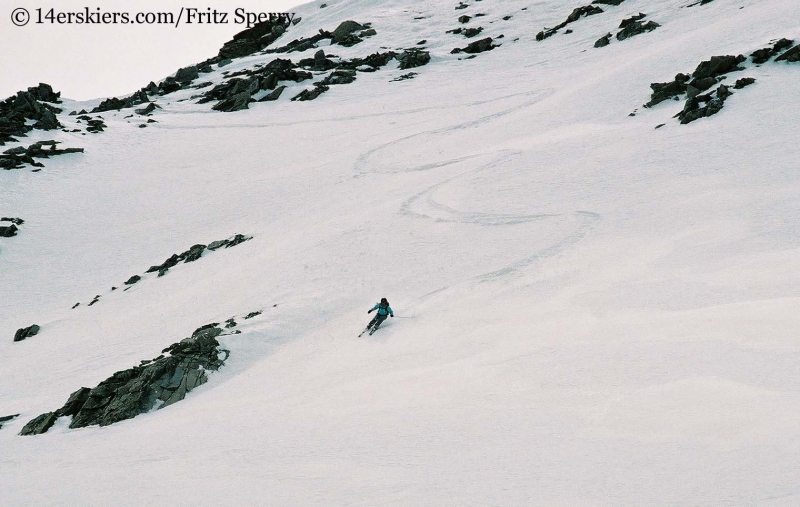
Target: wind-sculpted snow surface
{"x": 589, "y": 311}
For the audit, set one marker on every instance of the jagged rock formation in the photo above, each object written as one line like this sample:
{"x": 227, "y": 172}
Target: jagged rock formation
{"x": 155, "y": 383}
{"x": 15, "y": 158}
{"x": 708, "y": 74}
{"x": 26, "y": 332}
{"x": 33, "y": 104}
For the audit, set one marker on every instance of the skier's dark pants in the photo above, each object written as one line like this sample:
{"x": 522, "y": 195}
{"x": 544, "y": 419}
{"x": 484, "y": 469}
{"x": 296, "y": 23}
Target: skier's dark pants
{"x": 376, "y": 322}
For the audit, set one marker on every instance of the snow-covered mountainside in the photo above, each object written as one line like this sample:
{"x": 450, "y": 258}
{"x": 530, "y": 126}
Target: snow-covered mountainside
{"x": 596, "y": 301}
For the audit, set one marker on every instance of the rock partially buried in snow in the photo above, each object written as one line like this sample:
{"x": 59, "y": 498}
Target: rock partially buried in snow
{"x": 7, "y": 418}
{"x": 26, "y": 332}
{"x": 153, "y": 384}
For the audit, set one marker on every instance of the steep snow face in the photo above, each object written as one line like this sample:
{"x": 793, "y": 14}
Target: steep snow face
{"x": 590, "y": 310}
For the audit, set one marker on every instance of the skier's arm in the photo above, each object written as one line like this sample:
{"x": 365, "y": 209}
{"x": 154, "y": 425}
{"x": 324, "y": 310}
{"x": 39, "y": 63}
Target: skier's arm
{"x": 374, "y": 308}
{"x": 390, "y": 311}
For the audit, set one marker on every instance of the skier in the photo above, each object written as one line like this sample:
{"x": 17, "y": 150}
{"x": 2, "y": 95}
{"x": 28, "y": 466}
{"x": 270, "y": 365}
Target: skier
{"x": 383, "y": 309}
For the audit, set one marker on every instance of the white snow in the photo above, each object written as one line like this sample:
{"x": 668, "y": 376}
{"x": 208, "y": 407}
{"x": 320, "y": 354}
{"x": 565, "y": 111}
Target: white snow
{"x": 600, "y": 313}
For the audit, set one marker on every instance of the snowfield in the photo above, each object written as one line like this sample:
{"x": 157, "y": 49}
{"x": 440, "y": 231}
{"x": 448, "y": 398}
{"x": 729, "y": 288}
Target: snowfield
{"x": 595, "y": 312}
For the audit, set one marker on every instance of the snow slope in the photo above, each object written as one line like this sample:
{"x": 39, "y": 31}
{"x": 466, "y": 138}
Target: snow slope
{"x": 598, "y": 313}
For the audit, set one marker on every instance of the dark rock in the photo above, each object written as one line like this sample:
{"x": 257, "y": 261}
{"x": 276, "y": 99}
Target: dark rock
{"x": 702, "y": 106}
{"x": 235, "y": 103}
{"x": 39, "y": 425}
{"x": 8, "y": 231}
{"x": 792, "y": 55}
{"x": 412, "y": 58}
{"x": 74, "y": 403}
{"x": 344, "y": 30}
{"x": 187, "y": 74}
{"x": 251, "y": 315}
{"x": 472, "y": 32}
{"x": 368, "y": 33}
{"x": 152, "y": 384}
{"x": 404, "y": 77}
{"x": 26, "y": 332}
{"x": 217, "y": 244}
{"x": 629, "y": 21}
{"x": 274, "y": 95}
{"x": 579, "y": 12}
{"x": 608, "y": 2}
{"x": 230, "y": 323}
{"x": 477, "y": 47}
{"x": 318, "y": 63}
{"x": 15, "y": 221}
{"x": 132, "y": 280}
{"x": 339, "y": 77}
{"x": 95, "y": 300}
{"x": 6, "y": 418}
{"x": 194, "y": 253}
{"x": 603, "y": 41}
{"x": 464, "y": 19}
{"x": 238, "y": 240}
{"x": 312, "y": 93}
{"x": 664, "y": 91}
{"x": 745, "y": 81}
{"x": 716, "y": 66}
{"x": 633, "y": 26}
{"x": 150, "y": 108}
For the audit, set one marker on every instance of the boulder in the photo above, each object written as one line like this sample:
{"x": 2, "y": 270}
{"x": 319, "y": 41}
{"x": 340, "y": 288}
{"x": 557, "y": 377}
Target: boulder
{"x": 26, "y": 332}
{"x": 603, "y": 41}
{"x": 187, "y": 74}
{"x": 346, "y": 28}
{"x": 477, "y": 47}
{"x": 745, "y": 81}
{"x": 132, "y": 280}
{"x": 717, "y": 66}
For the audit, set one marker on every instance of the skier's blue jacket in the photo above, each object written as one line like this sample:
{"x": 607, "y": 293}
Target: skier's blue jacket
{"x": 383, "y": 310}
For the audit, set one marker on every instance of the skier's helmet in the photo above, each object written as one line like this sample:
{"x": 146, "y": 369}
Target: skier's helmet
{"x": 384, "y": 301}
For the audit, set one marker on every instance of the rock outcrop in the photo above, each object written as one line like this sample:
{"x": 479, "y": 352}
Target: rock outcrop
{"x": 154, "y": 384}
{"x": 16, "y": 158}
{"x": 33, "y": 104}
